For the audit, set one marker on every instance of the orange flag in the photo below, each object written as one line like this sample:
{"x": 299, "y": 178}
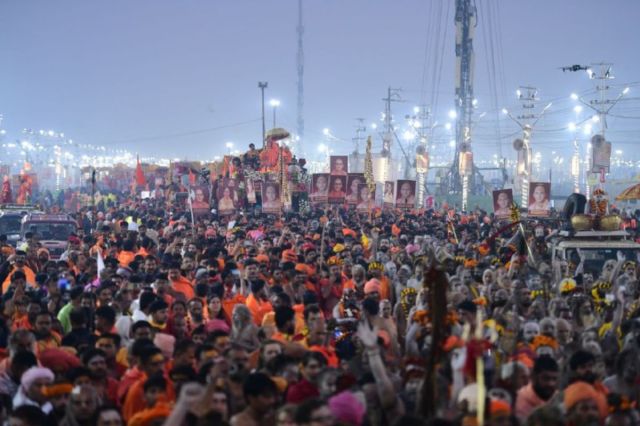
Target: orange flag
{"x": 140, "y": 179}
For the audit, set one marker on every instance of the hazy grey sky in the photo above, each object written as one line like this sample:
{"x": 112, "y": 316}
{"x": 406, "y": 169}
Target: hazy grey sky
{"x": 131, "y": 73}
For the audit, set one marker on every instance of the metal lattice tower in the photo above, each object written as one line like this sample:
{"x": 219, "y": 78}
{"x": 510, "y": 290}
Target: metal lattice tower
{"x": 360, "y": 128}
{"x": 356, "y": 158}
{"x": 601, "y": 107}
{"x": 465, "y": 20}
{"x": 300, "y": 65}
{"x": 420, "y": 123}
{"x": 393, "y": 95}
{"x": 528, "y": 97}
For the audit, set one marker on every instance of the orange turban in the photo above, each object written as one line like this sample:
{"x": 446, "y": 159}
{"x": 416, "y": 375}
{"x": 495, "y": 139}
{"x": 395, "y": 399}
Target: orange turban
{"x": 57, "y": 359}
{"x": 372, "y": 286}
{"x": 525, "y": 359}
{"x": 57, "y": 390}
{"x": 289, "y": 256}
{"x": 281, "y": 383}
{"x": 301, "y": 267}
{"x": 262, "y": 258}
{"x": 499, "y": 407}
{"x": 351, "y": 232}
{"x": 579, "y": 391}
{"x": 146, "y": 417}
{"x": 470, "y": 263}
{"x": 452, "y": 343}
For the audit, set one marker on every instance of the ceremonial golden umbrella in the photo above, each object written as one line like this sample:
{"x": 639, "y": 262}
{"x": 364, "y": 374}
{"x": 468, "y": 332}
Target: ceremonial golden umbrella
{"x": 277, "y": 134}
{"x": 631, "y": 193}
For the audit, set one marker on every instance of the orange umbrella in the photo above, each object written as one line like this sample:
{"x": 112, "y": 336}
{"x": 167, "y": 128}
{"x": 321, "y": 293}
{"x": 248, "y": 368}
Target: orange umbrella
{"x": 631, "y": 193}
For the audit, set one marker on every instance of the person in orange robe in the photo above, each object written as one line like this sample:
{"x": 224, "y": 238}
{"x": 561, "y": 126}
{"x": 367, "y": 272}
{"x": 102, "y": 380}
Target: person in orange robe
{"x": 179, "y": 283}
{"x": 376, "y": 270}
{"x": 151, "y": 362}
{"x": 19, "y": 265}
{"x": 257, "y": 302}
{"x": 46, "y": 338}
{"x": 126, "y": 256}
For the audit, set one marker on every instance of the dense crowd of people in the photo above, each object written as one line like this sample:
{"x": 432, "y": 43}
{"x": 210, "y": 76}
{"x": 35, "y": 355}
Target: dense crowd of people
{"x": 327, "y": 317}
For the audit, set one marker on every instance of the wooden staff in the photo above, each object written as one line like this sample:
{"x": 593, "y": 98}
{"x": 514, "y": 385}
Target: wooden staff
{"x": 324, "y": 229}
{"x": 482, "y": 391}
{"x": 453, "y": 230}
{"x": 435, "y": 280}
{"x": 93, "y": 199}
{"x": 526, "y": 243}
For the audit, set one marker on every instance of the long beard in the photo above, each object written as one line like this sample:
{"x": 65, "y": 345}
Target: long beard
{"x": 544, "y": 394}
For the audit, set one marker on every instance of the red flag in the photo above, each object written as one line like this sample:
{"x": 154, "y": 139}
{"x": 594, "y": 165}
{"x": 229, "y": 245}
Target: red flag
{"x": 140, "y": 179}
{"x": 192, "y": 178}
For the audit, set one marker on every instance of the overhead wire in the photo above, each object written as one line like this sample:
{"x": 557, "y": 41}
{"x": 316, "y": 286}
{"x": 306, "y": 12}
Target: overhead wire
{"x": 438, "y": 58}
{"x": 427, "y": 50}
{"x": 500, "y": 79}
{"x": 487, "y": 39}
{"x": 187, "y": 133}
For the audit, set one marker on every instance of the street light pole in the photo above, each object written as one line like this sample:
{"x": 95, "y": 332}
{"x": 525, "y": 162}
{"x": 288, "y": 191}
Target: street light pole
{"x": 263, "y": 85}
{"x": 274, "y": 104}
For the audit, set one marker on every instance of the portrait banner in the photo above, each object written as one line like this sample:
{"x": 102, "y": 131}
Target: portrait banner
{"x": 319, "y": 193}
{"x": 406, "y": 194}
{"x": 366, "y": 198}
{"x": 227, "y": 197}
{"x": 337, "y": 189}
{"x": 502, "y": 202}
{"x": 339, "y": 165}
{"x": 389, "y": 194}
{"x": 539, "y": 196}
{"x": 353, "y": 182}
{"x": 200, "y": 200}
{"x": 271, "y": 201}
{"x": 251, "y": 190}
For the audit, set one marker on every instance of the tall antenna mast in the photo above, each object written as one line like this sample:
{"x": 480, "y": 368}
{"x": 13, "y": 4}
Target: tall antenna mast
{"x": 465, "y": 20}
{"x": 355, "y": 157}
{"x": 601, "y": 106}
{"x": 300, "y": 64}
{"x": 360, "y": 127}
{"x": 393, "y": 95}
{"x": 419, "y": 122}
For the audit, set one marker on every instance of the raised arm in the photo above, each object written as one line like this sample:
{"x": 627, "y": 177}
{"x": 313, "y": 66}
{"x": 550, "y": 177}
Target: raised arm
{"x": 386, "y": 392}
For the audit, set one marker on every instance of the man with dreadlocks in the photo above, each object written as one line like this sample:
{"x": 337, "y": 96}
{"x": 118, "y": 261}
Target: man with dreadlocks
{"x": 402, "y": 310}
{"x": 376, "y": 270}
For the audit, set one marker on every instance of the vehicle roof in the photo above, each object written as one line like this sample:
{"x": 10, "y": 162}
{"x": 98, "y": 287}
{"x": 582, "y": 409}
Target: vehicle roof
{"x": 39, "y": 217}
{"x": 17, "y": 207}
{"x": 625, "y": 244}
{"x": 619, "y": 234}
{"x": 12, "y": 213}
